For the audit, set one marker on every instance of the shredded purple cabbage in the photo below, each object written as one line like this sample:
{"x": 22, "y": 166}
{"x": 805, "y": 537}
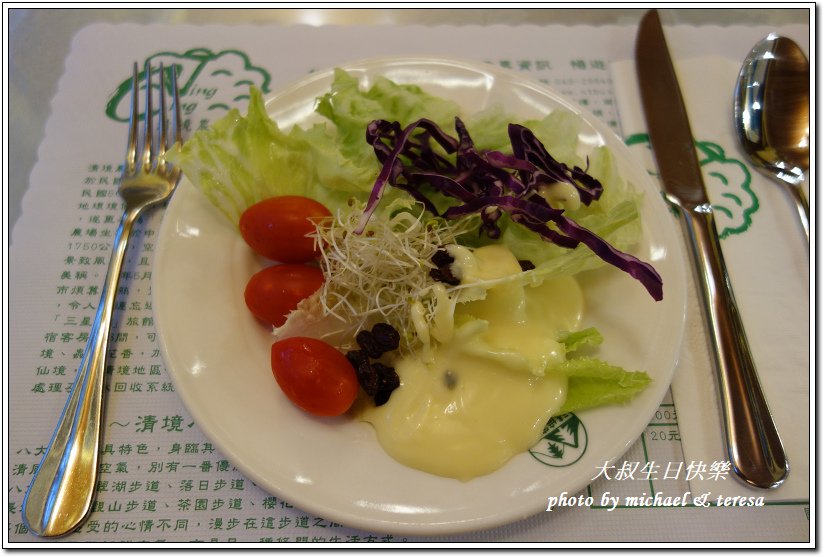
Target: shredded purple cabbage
{"x": 491, "y": 183}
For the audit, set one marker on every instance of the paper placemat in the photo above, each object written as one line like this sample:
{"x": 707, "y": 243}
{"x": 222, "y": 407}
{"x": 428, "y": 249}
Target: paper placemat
{"x": 766, "y": 255}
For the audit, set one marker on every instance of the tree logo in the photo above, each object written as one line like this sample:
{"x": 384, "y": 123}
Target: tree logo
{"x": 728, "y": 182}
{"x": 564, "y": 441}
{"x": 211, "y": 84}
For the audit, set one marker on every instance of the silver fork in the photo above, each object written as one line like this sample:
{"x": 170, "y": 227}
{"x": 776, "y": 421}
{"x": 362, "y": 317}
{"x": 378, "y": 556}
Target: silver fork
{"x": 61, "y": 493}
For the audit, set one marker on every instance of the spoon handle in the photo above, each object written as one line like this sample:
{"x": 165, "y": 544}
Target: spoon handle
{"x": 753, "y": 445}
{"x": 802, "y": 207}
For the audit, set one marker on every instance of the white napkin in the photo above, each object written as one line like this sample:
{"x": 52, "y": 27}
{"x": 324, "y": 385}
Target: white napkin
{"x": 767, "y": 258}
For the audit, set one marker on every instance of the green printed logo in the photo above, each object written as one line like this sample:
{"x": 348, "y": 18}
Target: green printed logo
{"x": 564, "y": 441}
{"x": 211, "y": 83}
{"x": 728, "y": 182}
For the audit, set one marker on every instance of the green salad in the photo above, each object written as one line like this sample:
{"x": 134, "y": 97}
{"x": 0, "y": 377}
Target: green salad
{"x": 367, "y": 163}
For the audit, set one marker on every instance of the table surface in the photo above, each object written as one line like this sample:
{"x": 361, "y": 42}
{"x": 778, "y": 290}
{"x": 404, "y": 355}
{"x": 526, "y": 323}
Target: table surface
{"x": 40, "y": 41}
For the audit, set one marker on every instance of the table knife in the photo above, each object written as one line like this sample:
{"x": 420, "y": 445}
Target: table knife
{"x": 754, "y": 447}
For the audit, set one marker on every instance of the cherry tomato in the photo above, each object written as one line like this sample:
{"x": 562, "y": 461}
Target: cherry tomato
{"x": 276, "y": 228}
{"x": 314, "y": 375}
{"x": 271, "y": 294}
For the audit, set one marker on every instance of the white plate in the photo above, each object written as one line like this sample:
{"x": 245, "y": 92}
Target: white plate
{"x": 218, "y": 355}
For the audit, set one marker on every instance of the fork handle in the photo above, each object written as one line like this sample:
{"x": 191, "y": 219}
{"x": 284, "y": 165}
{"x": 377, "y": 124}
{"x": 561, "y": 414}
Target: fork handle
{"x": 61, "y": 493}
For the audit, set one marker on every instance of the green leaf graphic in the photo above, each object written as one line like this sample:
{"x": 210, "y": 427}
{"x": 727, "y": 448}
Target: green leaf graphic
{"x": 556, "y": 451}
{"x": 211, "y": 83}
{"x": 728, "y": 181}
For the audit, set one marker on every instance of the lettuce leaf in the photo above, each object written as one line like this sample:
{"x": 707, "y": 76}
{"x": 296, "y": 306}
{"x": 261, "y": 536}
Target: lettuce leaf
{"x": 615, "y": 218}
{"x": 593, "y": 383}
{"x": 241, "y": 160}
{"x": 350, "y": 108}
{"x": 576, "y": 340}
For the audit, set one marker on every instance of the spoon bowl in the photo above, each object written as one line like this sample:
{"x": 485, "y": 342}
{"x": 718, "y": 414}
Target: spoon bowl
{"x": 772, "y": 115}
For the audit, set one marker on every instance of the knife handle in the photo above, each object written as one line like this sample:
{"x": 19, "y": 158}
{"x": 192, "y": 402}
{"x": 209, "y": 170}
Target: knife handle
{"x": 753, "y": 445}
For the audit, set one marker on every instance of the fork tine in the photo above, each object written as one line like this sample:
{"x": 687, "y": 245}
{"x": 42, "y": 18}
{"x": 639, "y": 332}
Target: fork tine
{"x": 176, "y": 104}
{"x": 162, "y": 124}
{"x": 147, "y": 122}
{"x": 177, "y": 128}
{"x": 131, "y": 147}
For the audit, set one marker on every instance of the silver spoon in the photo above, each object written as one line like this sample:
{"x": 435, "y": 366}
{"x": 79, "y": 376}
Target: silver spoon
{"x": 772, "y": 115}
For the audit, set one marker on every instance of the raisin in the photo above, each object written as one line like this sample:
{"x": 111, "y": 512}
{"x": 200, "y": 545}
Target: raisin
{"x": 382, "y": 397}
{"x": 366, "y": 340}
{"x": 386, "y": 374}
{"x": 376, "y": 379}
{"x": 388, "y": 381}
{"x": 444, "y": 274}
{"x": 526, "y": 264}
{"x": 386, "y": 336}
{"x": 356, "y": 357}
{"x": 368, "y": 378}
{"x": 441, "y": 258}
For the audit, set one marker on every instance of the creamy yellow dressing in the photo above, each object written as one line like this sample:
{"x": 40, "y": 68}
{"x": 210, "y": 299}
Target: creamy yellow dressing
{"x": 561, "y": 195}
{"x": 479, "y": 396}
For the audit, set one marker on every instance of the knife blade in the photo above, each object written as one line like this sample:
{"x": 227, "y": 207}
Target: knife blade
{"x": 753, "y": 445}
